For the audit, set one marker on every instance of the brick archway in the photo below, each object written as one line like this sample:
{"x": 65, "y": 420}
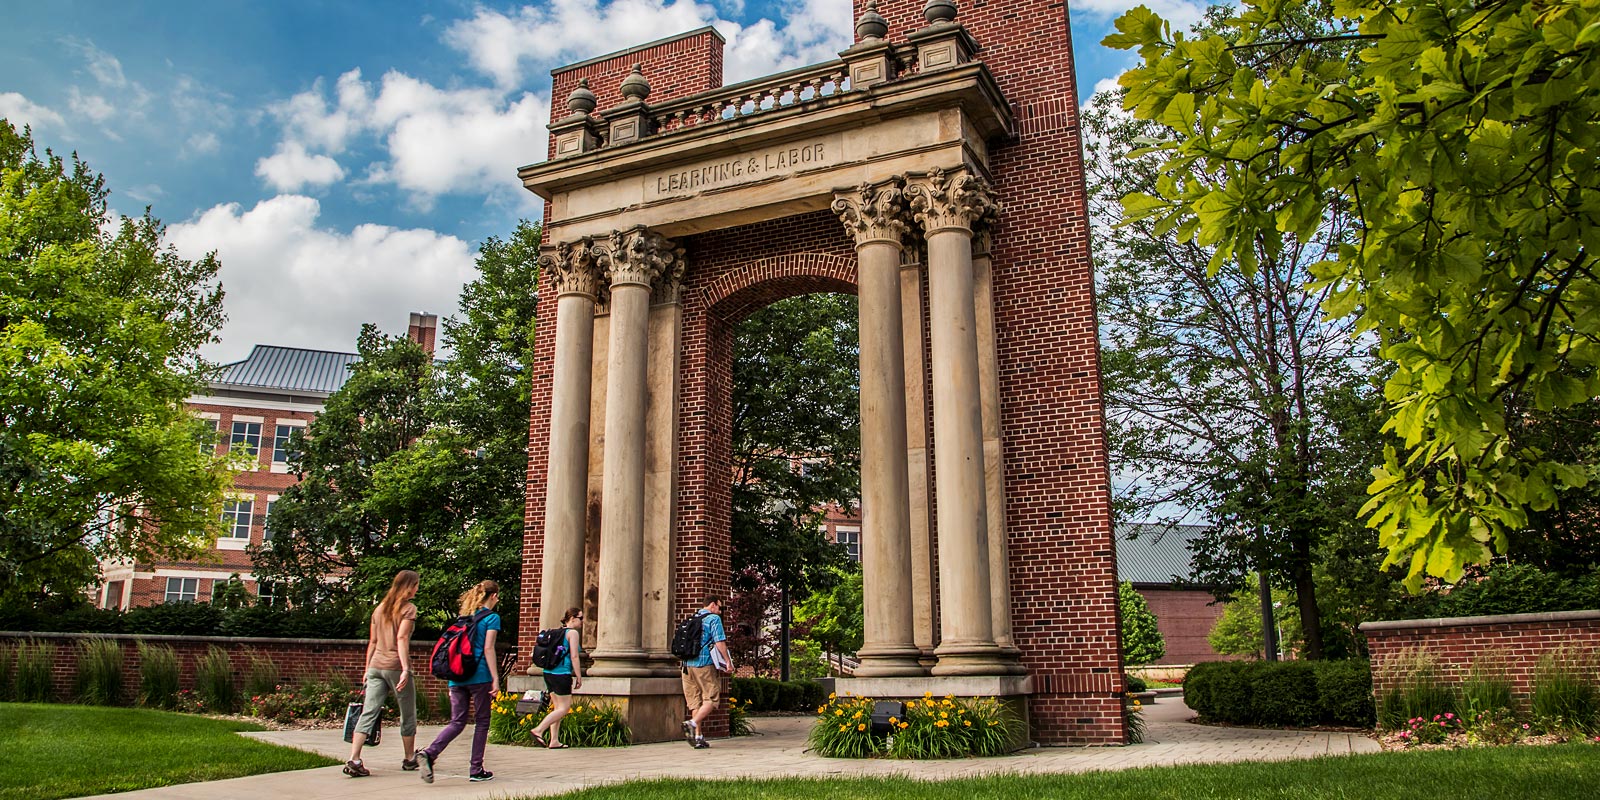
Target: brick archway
{"x": 748, "y": 288}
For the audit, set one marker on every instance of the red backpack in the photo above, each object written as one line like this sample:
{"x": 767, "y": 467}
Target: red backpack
{"x": 453, "y": 659}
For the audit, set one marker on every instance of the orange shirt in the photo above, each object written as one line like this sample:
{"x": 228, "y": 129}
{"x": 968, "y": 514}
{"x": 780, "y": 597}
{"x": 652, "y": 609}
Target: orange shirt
{"x": 386, "y": 653}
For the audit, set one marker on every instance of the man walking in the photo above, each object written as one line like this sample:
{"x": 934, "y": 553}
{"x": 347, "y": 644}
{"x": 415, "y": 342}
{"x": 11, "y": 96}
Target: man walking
{"x": 702, "y": 686}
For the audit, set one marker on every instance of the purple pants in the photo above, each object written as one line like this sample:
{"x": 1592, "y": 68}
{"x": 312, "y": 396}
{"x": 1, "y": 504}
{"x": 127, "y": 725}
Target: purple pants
{"x": 477, "y": 695}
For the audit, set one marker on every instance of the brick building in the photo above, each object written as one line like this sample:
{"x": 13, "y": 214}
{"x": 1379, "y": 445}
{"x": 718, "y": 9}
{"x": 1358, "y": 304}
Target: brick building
{"x": 254, "y": 405}
{"x": 1156, "y": 559}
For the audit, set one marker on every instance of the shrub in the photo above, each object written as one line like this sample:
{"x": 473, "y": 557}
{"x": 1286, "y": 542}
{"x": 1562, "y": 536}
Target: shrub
{"x": 1142, "y": 642}
{"x": 1430, "y": 730}
{"x": 35, "y": 663}
{"x": 1344, "y": 692}
{"x": 505, "y": 725}
{"x": 1416, "y": 690}
{"x": 175, "y": 619}
{"x": 213, "y": 681}
{"x": 1134, "y": 684}
{"x": 262, "y": 677}
{"x": 1496, "y": 726}
{"x": 1487, "y": 686}
{"x": 1284, "y": 693}
{"x": 1219, "y": 691}
{"x": 8, "y": 670}
{"x": 99, "y": 680}
{"x": 158, "y": 675}
{"x": 1505, "y": 589}
{"x": 1564, "y": 692}
{"x": 766, "y": 694}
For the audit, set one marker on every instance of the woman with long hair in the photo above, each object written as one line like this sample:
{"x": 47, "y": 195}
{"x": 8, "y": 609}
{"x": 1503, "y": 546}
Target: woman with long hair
{"x": 389, "y": 671}
{"x": 477, "y": 691}
{"x": 561, "y": 679}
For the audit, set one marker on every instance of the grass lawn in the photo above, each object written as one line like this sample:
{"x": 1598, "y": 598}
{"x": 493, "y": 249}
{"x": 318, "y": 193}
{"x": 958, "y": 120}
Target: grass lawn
{"x": 1565, "y": 771}
{"x": 50, "y": 751}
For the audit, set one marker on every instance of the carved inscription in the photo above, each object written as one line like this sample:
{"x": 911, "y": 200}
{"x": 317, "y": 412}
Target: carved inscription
{"x": 745, "y": 168}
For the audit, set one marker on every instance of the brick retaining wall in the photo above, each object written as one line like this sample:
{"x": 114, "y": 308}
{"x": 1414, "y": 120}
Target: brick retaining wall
{"x": 295, "y": 658}
{"x": 1456, "y": 641}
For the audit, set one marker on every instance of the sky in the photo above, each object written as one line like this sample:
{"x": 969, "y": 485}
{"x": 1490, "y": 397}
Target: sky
{"x": 346, "y": 159}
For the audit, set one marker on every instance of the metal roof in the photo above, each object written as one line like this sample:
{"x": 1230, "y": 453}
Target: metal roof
{"x": 288, "y": 368}
{"x": 1156, "y": 553}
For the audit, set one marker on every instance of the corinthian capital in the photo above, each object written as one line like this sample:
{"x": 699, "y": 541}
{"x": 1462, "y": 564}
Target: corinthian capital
{"x": 952, "y": 200}
{"x": 873, "y": 212}
{"x": 576, "y": 268}
{"x": 640, "y": 256}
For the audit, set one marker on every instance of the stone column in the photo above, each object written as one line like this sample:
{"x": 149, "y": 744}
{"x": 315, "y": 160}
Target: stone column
{"x": 661, "y": 468}
{"x": 948, "y": 205}
{"x": 576, "y": 271}
{"x": 874, "y": 215}
{"x": 923, "y": 586}
{"x": 637, "y": 258}
{"x": 993, "y": 454}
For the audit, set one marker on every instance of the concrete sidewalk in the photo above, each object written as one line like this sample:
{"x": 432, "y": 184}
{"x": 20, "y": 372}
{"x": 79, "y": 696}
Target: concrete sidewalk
{"x": 777, "y": 752}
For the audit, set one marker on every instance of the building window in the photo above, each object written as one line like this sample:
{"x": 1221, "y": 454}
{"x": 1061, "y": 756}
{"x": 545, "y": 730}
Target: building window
{"x": 246, "y": 435}
{"x": 236, "y": 518}
{"x": 182, "y": 590}
{"x": 113, "y": 595}
{"x": 281, "y": 454}
{"x": 266, "y": 522}
{"x": 851, "y": 539}
{"x": 266, "y": 593}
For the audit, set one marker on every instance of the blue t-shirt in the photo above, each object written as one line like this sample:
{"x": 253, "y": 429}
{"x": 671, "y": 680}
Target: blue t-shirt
{"x": 479, "y": 634}
{"x": 565, "y": 667}
{"x": 710, "y": 633}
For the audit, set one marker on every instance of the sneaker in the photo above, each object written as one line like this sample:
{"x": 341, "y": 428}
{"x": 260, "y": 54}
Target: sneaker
{"x": 700, "y": 743}
{"x": 408, "y": 764}
{"x": 479, "y": 777}
{"x": 425, "y": 764}
{"x": 356, "y": 769}
{"x": 688, "y": 731}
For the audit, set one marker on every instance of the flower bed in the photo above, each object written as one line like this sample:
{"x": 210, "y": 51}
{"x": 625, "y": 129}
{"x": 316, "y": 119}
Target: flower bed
{"x": 589, "y": 724}
{"x": 931, "y": 728}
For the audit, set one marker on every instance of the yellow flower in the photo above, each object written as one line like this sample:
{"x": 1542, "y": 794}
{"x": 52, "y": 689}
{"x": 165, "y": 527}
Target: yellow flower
{"x": 821, "y": 709}
{"x": 967, "y": 722}
{"x": 861, "y": 727}
{"x": 833, "y": 695}
{"x": 894, "y": 720}
{"x": 844, "y": 727}
{"x": 857, "y": 715}
{"x": 838, "y": 712}
{"x": 904, "y": 725}
{"x": 733, "y": 699}
{"x": 944, "y": 715}
{"x": 578, "y": 709}
{"x": 928, "y": 695}
{"x": 912, "y": 704}
{"x": 993, "y": 723}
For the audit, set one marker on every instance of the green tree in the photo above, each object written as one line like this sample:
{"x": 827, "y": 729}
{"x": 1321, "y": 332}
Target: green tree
{"x": 100, "y": 329}
{"x": 421, "y": 465}
{"x": 796, "y": 439}
{"x": 835, "y": 614}
{"x": 1238, "y": 631}
{"x": 1217, "y": 376}
{"x": 1461, "y": 134}
{"x": 1142, "y": 641}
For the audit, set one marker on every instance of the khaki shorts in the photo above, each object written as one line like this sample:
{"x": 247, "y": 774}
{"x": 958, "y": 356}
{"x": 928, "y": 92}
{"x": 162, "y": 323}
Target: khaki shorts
{"x": 701, "y": 685}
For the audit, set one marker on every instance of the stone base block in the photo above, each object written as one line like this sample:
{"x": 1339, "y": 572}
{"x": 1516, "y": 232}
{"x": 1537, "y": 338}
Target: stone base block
{"x": 653, "y": 707}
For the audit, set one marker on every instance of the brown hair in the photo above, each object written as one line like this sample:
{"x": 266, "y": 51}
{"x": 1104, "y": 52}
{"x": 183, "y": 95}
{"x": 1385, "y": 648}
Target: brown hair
{"x": 571, "y": 612}
{"x": 472, "y": 598}
{"x": 390, "y": 607}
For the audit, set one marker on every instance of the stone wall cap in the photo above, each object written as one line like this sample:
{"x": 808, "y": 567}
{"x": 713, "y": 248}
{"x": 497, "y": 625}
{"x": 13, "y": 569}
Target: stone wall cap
{"x": 166, "y": 637}
{"x": 1494, "y": 619}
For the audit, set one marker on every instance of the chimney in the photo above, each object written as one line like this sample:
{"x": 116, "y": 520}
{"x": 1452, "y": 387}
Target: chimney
{"x": 424, "y": 328}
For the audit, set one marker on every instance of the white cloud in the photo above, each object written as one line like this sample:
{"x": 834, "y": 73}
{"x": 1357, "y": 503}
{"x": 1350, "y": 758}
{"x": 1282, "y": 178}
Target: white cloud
{"x": 310, "y": 119}
{"x": 1181, "y": 13}
{"x": 202, "y": 144}
{"x": 96, "y": 108}
{"x": 292, "y": 282}
{"x": 22, "y": 111}
{"x": 1107, "y": 84}
{"x": 292, "y": 168}
{"x": 503, "y": 45}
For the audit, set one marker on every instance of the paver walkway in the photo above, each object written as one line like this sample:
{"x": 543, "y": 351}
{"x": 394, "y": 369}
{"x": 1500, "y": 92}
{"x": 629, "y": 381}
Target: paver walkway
{"x": 777, "y": 752}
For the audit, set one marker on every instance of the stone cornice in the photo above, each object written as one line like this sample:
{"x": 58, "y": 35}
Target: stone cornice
{"x": 955, "y": 199}
{"x": 874, "y": 212}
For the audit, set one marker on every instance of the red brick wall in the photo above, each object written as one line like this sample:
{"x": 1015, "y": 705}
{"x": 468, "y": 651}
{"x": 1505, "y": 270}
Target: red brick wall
{"x": 675, "y": 68}
{"x": 1184, "y": 617}
{"x": 1063, "y": 558}
{"x": 1458, "y": 641}
{"x": 295, "y": 658}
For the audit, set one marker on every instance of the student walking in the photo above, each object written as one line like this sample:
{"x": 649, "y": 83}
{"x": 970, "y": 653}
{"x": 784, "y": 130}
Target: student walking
{"x": 389, "y": 671}
{"x": 477, "y": 691}
{"x": 702, "y": 686}
{"x": 561, "y": 679}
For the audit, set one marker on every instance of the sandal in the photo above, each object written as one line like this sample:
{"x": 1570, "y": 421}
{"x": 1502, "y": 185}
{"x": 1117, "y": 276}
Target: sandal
{"x": 537, "y": 739}
{"x": 558, "y": 747}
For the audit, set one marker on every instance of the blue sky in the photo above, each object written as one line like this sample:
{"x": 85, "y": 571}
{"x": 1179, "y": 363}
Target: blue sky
{"x": 346, "y": 159}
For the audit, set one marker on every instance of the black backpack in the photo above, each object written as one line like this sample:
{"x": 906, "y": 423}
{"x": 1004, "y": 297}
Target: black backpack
{"x": 686, "y": 638}
{"x": 549, "y": 648}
